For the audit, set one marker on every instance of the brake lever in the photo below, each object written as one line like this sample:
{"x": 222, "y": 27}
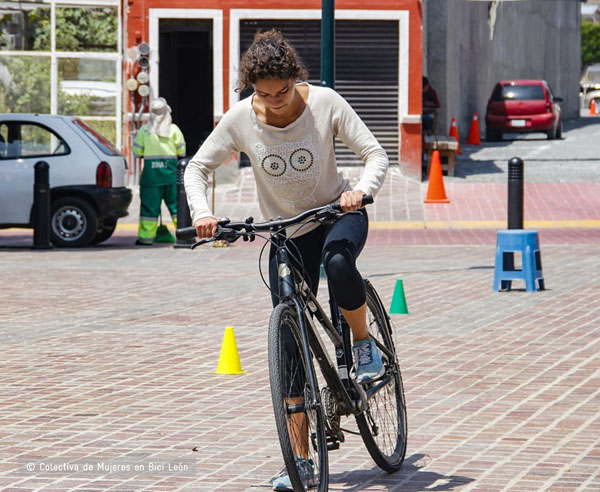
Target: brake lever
{"x": 328, "y": 215}
{"x": 216, "y": 237}
{"x": 201, "y": 242}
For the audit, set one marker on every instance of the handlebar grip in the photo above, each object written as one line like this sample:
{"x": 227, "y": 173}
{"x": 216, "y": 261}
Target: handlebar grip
{"x": 186, "y": 233}
{"x": 367, "y": 199}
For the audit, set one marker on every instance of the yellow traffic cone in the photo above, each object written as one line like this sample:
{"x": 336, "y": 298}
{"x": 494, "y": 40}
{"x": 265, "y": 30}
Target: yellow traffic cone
{"x": 229, "y": 360}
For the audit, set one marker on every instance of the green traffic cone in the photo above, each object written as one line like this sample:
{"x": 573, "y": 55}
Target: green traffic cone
{"x": 398, "y": 305}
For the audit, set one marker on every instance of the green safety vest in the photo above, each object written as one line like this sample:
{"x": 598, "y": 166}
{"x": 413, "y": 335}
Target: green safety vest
{"x": 160, "y": 155}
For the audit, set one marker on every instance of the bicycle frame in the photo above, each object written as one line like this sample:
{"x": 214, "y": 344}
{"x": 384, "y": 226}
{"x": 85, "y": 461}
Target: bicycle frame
{"x": 351, "y": 398}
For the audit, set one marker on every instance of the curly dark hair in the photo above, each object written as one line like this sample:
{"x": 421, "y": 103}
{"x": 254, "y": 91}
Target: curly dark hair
{"x": 270, "y": 56}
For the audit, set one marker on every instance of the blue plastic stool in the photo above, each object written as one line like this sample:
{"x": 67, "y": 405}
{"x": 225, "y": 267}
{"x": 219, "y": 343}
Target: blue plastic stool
{"x": 509, "y": 242}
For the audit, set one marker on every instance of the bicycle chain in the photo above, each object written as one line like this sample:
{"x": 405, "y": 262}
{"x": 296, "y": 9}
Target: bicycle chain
{"x": 330, "y": 407}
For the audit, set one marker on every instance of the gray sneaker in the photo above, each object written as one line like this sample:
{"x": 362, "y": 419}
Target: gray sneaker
{"x": 367, "y": 359}
{"x": 306, "y": 469}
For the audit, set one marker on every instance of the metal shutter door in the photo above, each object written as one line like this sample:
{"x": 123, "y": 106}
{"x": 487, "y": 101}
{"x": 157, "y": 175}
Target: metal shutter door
{"x": 366, "y": 70}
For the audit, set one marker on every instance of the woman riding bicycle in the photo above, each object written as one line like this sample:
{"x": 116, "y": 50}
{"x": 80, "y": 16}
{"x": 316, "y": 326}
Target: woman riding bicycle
{"x": 287, "y": 130}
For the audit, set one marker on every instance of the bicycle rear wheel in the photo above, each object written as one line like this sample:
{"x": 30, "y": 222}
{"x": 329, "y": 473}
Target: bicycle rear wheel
{"x": 301, "y": 428}
{"x": 383, "y": 425}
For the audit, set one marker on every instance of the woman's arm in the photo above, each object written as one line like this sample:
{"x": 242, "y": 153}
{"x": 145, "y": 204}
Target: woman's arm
{"x": 216, "y": 149}
{"x": 355, "y": 134}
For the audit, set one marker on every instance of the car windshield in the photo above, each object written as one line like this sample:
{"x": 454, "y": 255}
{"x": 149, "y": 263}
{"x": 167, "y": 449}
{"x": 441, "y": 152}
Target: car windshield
{"x": 592, "y": 75}
{"x": 518, "y": 92}
{"x": 99, "y": 140}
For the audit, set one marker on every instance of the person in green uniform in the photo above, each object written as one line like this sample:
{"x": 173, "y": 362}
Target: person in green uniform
{"x": 160, "y": 142}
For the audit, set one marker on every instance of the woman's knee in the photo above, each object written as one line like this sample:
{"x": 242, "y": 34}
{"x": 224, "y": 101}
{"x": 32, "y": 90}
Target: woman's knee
{"x": 338, "y": 262}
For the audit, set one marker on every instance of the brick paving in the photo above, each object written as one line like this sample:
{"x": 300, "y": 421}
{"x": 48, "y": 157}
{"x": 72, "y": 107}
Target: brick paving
{"x": 108, "y": 354}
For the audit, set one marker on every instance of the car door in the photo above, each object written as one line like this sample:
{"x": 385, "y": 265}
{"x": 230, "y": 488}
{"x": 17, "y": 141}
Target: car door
{"x": 22, "y": 145}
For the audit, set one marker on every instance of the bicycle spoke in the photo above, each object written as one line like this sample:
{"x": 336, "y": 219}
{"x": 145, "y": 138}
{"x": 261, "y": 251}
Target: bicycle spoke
{"x": 383, "y": 424}
{"x": 301, "y": 428}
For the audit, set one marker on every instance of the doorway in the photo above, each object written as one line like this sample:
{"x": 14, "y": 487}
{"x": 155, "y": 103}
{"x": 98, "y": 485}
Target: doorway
{"x": 186, "y": 76}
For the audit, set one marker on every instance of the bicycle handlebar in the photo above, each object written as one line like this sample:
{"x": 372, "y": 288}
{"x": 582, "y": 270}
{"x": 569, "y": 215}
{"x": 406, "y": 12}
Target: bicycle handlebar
{"x": 230, "y": 231}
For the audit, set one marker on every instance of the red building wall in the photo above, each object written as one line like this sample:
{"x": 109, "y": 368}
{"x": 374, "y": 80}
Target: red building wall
{"x": 137, "y": 31}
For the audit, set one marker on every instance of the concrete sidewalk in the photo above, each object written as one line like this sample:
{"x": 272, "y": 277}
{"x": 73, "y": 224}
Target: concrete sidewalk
{"x": 401, "y": 200}
{"x": 561, "y": 211}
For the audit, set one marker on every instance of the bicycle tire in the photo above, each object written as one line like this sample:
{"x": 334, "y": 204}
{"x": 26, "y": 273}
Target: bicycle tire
{"x": 383, "y": 425}
{"x": 283, "y": 363}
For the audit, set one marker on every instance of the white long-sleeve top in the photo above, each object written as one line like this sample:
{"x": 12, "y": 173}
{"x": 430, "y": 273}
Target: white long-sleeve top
{"x": 294, "y": 167}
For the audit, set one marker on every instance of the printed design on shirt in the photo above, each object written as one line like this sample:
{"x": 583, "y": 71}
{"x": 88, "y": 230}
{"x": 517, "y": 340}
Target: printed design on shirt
{"x": 301, "y": 159}
{"x": 273, "y": 165}
{"x": 291, "y": 170}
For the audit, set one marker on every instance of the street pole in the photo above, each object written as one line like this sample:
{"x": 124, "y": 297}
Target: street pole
{"x": 328, "y": 43}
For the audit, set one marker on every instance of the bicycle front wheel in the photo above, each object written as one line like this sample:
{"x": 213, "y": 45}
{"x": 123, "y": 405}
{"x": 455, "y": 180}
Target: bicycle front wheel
{"x": 383, "y": 425}
{"x": 300, "y": 423}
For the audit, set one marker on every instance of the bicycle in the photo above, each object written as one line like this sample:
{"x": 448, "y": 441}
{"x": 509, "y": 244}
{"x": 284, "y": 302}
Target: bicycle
{"x": 308, "y": 420}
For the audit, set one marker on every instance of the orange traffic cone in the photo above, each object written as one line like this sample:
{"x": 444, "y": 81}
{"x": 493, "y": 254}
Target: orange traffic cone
{"x": 474, "y": 138}
{"x": 454, "y": 133}
{"x": 593, "y": 109}
{"x": 436, "y": 193}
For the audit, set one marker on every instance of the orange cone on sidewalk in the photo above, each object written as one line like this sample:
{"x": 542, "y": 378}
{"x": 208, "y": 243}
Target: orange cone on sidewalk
{"x": 454, "y": 133}
{"x": 474, "y": 138}
{"x": 593, "y": 108}
{"x": 436, "y": 193}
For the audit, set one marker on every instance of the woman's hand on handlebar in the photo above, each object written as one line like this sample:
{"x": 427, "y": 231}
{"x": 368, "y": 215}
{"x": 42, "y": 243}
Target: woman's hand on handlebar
{"x": 206, "y": 227}
{"x": 351, "y": 200}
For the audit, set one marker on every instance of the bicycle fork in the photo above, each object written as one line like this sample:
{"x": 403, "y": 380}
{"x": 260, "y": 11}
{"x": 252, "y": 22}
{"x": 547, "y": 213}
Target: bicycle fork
{"x": 287, "y": 292}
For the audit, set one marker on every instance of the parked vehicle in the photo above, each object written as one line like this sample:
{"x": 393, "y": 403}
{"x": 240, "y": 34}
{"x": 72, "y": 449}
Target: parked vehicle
{"x": 588, "y": 97}
{"x": 590, "y": 80}
{"x": 518, "y": 106}
{"x": 87, "y": 177}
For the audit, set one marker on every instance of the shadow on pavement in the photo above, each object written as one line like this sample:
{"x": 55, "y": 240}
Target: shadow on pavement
{"x": 410, "y": 478}
{"x": 471, "y": 167}
{"x": 579, "y": 123}
{"x": 22, "y": 242}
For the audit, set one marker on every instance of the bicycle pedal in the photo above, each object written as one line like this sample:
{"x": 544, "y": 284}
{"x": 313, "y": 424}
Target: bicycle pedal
{"x": 332, "y": 446}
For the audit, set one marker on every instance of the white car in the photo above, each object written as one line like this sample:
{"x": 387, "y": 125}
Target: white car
{"x": 590, "y": 79}
{"x": 87, "y": 177}
{"x": 587, "y": 99}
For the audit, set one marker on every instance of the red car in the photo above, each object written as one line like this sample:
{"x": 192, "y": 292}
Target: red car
{"x": 518, "y": 106}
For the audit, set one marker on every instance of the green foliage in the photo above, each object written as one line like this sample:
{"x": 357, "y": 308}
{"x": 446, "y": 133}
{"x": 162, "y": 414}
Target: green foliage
{"x": 77, "y": 29}
{"x": 29, "y": 88}
{"x": 73, "y": 105}
{"x": 40, "y": 18}
{"x": 86, "y": 29}
{"x": 35, "y": 29}
{"x": 590, "y": 43}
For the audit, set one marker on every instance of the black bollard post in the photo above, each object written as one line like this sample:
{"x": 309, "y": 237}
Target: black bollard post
{"x": 515, "y": 193}
{"x": 41, "y": 206}
{"x": 183, "y": 210}
{"x": 515, "y": 210}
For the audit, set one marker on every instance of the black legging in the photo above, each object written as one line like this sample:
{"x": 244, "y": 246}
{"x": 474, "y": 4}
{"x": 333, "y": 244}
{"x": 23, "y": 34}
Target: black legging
{"x": 337, "y": 246}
